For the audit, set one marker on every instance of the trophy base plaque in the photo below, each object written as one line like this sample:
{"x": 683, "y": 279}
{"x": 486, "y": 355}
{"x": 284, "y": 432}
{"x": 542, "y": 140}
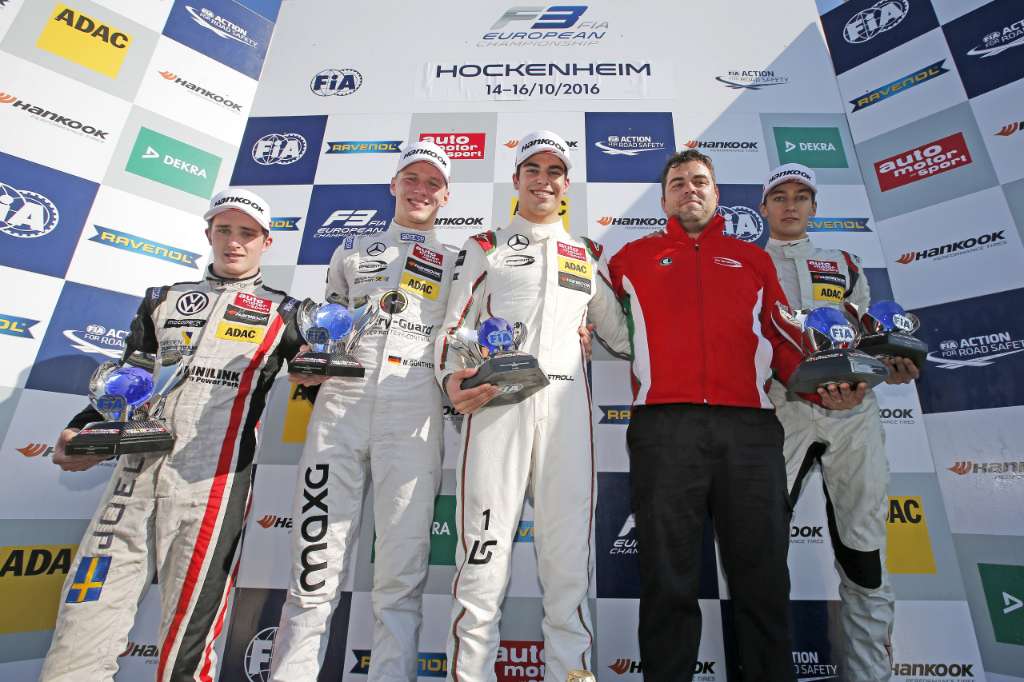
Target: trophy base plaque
{"x": 110, "y": 439}
{"x": 326, "y": 364}
{"x": 837, "y": 367}
{"x": 517, "y": 375}
{"x": 895, "y": 344}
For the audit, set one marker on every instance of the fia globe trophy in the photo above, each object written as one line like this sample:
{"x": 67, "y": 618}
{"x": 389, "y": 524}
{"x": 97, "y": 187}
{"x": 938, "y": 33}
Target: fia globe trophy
{"x": 828, "y": 342}
{"x": 888, "y": 331}
{"x": 333, "y": 333}
{"x": 494, "y": 350}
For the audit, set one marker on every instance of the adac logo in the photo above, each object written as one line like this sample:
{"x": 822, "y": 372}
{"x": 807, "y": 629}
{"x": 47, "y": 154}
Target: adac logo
{"x": 13, "y": 325}
{"x": 641, "y": 223}
{"x": 751, "y": 79}
{"x": 338, "y": 82}
{"x": 26, "y": 214}
{"x": 615, "y": 414}
{"x": 625, "y": 543}
{"x": 85, "y": 40}
{"x": 816, "y": 224}
{"x": 723, "y": 145}
{"x": 519, "y": 661}
{"x": 90, "y": 132}
{"x": 36, "y": 450}
{"x": 201, "y": 91}
{"x": 544, "y": 26}
{"x": 933, "y": 158}
{"x": 883, "y": 16}
{"x": 27, "y": 562}
{"x": 742, "y": 222}
{"x": 221, "y": 26}
{"x": 285, "y": 223}
{"x": 1002, "y": 470}
{"x": 629, "y": 145}
{"x": 818, "y": 147}
{"x": 459, "y": 145}
{"x": 364, "y": 147}
{"x": 884, "y": 92}
{"x": 976, "y": 351}
{"x": 278, "y": 149}
{"x": 999, "y": 40}
{"x": 957, "y": 248}
{"x": 272, "y": 521}
{"x": 909, "y": 545}
{"x": 30, "y": 583}
{"x": 428, "y": 663}
{"x": 1004, "y": 595}
{"x": 97, "y": 339}
{"x": 1010, "y": 128}
{"x": 145, "y": 247}
{"x": 173, "y": 163}
{"x": 258, "y": 655}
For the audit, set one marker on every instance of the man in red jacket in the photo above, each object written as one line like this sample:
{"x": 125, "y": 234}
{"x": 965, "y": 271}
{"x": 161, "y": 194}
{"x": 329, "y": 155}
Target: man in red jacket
{"x": 703, "y": 435}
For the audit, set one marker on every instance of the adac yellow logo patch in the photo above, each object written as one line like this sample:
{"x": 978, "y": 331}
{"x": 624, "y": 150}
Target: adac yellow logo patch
{"x": 296, "y": 417}
{"x": 85, "y": 40}
{"x": 575, "y": 267}
{"x": 909, "y": 546}
{"x": 420, "y": 287}
{"x": 31, "y": 579}
{"x": 240, "y": 332}
{"x": 828, "y": 292}
{"x": 563, "y": 211}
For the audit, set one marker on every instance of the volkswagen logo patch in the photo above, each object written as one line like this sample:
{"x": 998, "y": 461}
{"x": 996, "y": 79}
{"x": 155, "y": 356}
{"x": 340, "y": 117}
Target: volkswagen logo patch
{"x": 192, "y": 302}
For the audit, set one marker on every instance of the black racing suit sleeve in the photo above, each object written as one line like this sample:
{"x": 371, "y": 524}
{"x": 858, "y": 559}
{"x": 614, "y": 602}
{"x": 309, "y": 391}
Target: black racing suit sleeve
{"x": 141, "y": 337}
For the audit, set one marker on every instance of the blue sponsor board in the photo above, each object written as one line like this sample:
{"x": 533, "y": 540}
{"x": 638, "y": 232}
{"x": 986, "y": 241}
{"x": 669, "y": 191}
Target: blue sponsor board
{"x": 814, "y": 627}
{"x": 820, "y": 224}
{"x": 976, "y": 353}
{"x": 279, "y": 150}
{"x": 268, "y": 8}
{"x": 42, "y": 212}
{"x": 89, "y": 326}
{"x": 628, "y": 147}
{"x": 340, "y": 213}
{"x": 250, "y": 641}
{"x": 222, "y": 30}
{"x": 860, "y": 30}
{"x": 739, "y": 206}
{"x": 879, "y": 285}
{"x": 988, "y": 46}
{"x": 145, "y": 247}
{"x": 618, "y": 571}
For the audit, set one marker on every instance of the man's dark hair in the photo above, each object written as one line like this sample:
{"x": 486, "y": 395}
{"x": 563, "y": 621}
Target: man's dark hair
{"x": 685, "y": 157}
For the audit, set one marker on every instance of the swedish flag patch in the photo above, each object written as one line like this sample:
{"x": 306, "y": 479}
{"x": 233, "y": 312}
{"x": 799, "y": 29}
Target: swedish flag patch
{"x": 89, "y": 579}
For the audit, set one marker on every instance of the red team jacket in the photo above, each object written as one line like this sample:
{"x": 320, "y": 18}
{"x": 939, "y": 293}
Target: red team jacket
{"x": 700, "y": 317}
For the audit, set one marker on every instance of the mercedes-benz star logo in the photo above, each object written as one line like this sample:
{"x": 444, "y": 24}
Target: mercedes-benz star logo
{"x": 518, "y": 242}
{"x": 375, "y": 248}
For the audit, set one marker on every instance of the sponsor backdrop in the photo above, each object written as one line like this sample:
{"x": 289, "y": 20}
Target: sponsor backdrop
{"x": 908, "y": 110}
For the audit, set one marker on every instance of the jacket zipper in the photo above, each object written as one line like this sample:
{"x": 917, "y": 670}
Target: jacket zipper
{"x": 700, "y": 309}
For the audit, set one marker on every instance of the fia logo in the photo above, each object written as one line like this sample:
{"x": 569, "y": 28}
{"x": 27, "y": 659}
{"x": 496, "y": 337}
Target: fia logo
{"x": 25, "y": 214}
{"x": 742, "y": 222}
{"x": 338, "y": 82}
{"x": 883, "y": 16}
{"x": 279, "y": 149}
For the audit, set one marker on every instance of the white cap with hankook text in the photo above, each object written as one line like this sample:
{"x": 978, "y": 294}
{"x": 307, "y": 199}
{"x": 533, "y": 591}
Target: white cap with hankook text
{"x": 425, "y": 150}
{"x": 543, "y": 141}
{"x": 790, "y": 172}
{"x": 243, "y": 200}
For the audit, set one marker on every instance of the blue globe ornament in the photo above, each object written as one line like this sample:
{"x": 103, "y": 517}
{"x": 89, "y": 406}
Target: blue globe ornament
{"x": 888, "y": 316}
{"x": 496, "y": 335}
{"x": 827, "y": 328}
{"x": 335, "y": 318}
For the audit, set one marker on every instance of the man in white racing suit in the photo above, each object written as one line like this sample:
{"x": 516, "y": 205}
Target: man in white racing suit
{"x": 387, "y": 426}
{"x": 849, "y": 444}
{"x": 532, "y": 272}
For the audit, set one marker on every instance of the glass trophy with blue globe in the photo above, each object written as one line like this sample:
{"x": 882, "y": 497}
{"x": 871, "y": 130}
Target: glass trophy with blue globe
{"x": 333, "y": 332}
{"x": 494, "y": 350}
{"x": 889, "y": 332}
{"x": 124, "y": 395}
{"x": 828, "y": 341}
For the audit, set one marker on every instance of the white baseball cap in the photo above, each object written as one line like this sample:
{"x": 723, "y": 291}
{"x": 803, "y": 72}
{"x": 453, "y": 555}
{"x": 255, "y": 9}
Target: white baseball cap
{"x": 249, "y": 203}
{"x": 790, "y": 172}
{"x": 543, "y": 141}
{"x": 425, "y": 150}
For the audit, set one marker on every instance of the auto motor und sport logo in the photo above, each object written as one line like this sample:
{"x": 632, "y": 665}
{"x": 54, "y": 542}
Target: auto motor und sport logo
{"x": 551, "y": 26}
{"x": 900, "y": 85}
{"x": 939, "y": 156}
{"x": 279, "y": 149}
{"x": 458, "y": 145}
{"x": 975, "y": 351}
{"x": 25, "y": 214}
{"x": 201, "y": 91}
{"x": 339, "y": 82}
{"x": 90, "y": 132}
{"x": 751, "y": 79}
{"x": 883, "y": 16}
{"x": 957, "y": 248}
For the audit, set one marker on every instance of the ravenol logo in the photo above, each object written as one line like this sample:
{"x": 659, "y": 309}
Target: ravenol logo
{"x": 428, "y": 663}
{"x": 285, "y": 223}
{"x": 838, "y": 225}
{"x": 87, "y": 41}
{"x": 89, "y": 579}
{"x": 524, "y": 533}
{"x": 165, "y": 160}
{"x": 899, "y": 85}
{"x": 26, "y": 214}
{"x": 910, "y": 548}
{"x": 814, "y": 147}
{"x": 278, "y": 149}
{"x": 1004, "y": 595}
{"x": 615, "y": 414}
{"x": 17, "y": 326}
{"x": 364, "y": 147}
{"x": 145, "y": 247}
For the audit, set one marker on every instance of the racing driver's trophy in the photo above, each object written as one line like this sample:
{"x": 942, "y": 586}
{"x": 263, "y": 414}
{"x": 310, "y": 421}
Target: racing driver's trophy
{"x": 333, "y": 332}
{"x": 888, "y": 331}
{"x": 494, "y": 350}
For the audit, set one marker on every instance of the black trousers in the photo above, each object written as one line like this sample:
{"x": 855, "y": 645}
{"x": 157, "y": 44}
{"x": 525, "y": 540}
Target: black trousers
{"x": 687, "y": 460}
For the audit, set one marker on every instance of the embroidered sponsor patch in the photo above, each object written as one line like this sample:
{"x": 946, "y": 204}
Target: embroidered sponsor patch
{"x": 571, "y": 251}
{"x": 420, "y": 287}
{"x": 432, "y": 257}
{"x": 240, "y": 332}
{"x": 422, "y": 269}
{"x": 570, "y": 281}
